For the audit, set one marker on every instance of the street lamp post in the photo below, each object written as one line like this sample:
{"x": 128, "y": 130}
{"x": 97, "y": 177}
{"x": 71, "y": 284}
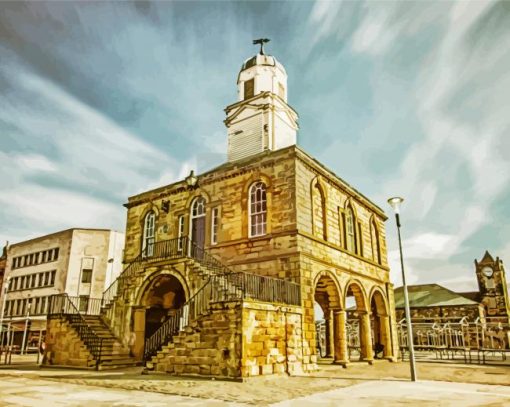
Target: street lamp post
{"x": 25, "y": 331}
{"x": 395, "y": 204}
{"x": 4, "y": 297}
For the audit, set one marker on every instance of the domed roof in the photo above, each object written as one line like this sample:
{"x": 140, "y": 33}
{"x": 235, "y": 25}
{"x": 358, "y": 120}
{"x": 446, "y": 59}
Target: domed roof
{"x": 262, "y": 60}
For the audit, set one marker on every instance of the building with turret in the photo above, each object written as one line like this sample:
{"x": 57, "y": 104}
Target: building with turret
{"x": 432, "y": 302}
{"x": 223, "y": 269}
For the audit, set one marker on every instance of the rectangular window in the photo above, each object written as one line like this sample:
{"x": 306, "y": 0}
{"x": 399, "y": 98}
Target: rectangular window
{"x": 52, "y": 278}
{"x": 55, "y": 256}
{"x": 44, "y": 254}
{"x": 249, "y": 88}
{"x": 215, "y": 219}
{"x": 46, "y": 278}
{"x": 180, "y": 232}
{"x": 87, "y": 265}
{"x": 86, "y": 276}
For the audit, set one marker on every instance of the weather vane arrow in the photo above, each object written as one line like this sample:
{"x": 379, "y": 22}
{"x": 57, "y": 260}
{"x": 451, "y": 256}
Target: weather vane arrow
{"x": 261, "y": 41}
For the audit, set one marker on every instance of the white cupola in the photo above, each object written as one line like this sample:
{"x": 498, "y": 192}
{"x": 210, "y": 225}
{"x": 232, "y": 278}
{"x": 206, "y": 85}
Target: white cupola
{"x": 261, "y": 119}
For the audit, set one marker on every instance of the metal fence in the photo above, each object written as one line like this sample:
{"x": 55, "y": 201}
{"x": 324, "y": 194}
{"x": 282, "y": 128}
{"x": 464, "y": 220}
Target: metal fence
{"x": 478, "y": 340}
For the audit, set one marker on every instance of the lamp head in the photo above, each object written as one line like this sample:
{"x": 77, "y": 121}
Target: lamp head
{"x": 191, "y": 179}
{"x": 395, "y": 203}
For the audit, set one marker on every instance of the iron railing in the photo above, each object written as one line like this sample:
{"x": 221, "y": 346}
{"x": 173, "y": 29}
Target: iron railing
{"x": 449, "y": 336}
{"x": 222, "y": 284}
{"x": 63, "y": 306}
{"x": 256, "y": 286}
{"x": 193, "y": 308}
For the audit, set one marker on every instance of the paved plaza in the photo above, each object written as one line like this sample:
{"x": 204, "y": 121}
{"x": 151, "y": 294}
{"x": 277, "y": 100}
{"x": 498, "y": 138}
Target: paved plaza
{"x": 384, "y": 384}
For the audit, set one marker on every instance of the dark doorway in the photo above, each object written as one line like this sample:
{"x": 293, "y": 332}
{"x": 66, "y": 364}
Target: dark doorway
{"x": 163, "y": 299}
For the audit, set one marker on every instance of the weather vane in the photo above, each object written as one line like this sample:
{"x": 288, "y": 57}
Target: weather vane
{"x": 261, "y": 41}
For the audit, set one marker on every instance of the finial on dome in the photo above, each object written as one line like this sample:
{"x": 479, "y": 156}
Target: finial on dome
{"x": 261, "y": 41}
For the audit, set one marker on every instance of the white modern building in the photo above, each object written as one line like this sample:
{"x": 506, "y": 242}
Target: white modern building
{"x": 78, "y": 262}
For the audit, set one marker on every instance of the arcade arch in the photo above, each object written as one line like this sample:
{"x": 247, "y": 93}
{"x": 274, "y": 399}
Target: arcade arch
{"x": 380, "y": 323}
{"x": 359, "y": 333}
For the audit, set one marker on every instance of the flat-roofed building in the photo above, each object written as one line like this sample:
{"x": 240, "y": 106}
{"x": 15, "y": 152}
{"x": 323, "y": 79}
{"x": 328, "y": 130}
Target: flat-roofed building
{"x": 78, "y": 262}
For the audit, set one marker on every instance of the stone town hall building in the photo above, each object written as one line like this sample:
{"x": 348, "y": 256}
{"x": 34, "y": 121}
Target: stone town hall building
{"x": 223, "y": 269}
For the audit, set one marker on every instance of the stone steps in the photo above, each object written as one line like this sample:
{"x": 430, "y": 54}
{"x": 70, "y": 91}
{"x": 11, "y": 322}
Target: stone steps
{"x": 113, "y": 354}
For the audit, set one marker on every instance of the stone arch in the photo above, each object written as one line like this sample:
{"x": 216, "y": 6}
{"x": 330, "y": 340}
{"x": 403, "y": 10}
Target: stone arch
{"x": 327, "y": 294}
{"x": 355, "y": 287}
{"x": 150, "y": 279}
{"x": 378, "y": 297}
{"x": 143, "y": 322}
{"x": 256, "y": 177}
{"x": 359, "y": 332}
{"x": 380, "y": 322}
{"x": 197, "y": 193}
{"x": 326, "y": 283}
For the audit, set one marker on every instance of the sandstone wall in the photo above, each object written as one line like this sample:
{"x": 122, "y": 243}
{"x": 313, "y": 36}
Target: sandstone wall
{"x": 227, "y": 188}
{"x": 239, "y": 339}
{"x": 273, "y": 341}
{"x": 211, "y": 345}
{"x": 64, "y": 347}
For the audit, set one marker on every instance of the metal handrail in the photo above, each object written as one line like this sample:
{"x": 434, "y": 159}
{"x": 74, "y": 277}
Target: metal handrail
{"x": 185, "y": 247}
{"x": 61, "y": 305}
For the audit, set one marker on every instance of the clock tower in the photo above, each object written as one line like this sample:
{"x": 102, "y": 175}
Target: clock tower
{"x": 261, "y": 119}
{"x": 493, "y": 287}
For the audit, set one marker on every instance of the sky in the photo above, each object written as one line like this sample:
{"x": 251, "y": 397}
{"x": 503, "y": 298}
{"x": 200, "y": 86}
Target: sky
{"x": 103, "y": 100}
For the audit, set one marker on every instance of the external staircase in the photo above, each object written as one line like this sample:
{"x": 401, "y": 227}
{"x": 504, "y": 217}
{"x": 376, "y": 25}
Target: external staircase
{"x": 95, "y": 321}
{"x": 104, "y": 349}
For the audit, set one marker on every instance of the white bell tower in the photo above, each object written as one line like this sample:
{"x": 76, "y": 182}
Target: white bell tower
{"x": 261, "y": 119}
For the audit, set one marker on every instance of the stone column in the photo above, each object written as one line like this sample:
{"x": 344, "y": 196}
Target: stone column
{"x": 340, "y": 345}
{"x": 386, "y": 335}
{"x": 138, "y": 344}
{"x": 367, "y": 353}
{"x": 330, "y": 338}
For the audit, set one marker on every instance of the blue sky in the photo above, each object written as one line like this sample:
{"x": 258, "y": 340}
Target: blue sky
{"x": 99, "y": 101}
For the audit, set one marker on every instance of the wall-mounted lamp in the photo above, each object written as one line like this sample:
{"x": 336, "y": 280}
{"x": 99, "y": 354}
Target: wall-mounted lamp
{"x": 191, "y": 179}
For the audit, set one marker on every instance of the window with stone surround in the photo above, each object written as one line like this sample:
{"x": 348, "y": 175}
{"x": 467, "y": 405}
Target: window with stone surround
{"x": 180, "y": 231}
{"x": 148, "y": 233}
{"x": 319, "y": 212}
{"x": 215, "y": 220}
{"x": 257, "y": 209}
{"x": 350, "y": 230}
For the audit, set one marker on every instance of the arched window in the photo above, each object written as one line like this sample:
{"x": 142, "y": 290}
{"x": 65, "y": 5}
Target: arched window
{"x": 198, "y": 207}
{"x": 148, "y": 234}
{"x": 319, "y": 212}
{"x": 257, "y": 209}
{"x": 197, "y": 224}
{"x": 350, "y": 230}
{"x": 376, "y": 247}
